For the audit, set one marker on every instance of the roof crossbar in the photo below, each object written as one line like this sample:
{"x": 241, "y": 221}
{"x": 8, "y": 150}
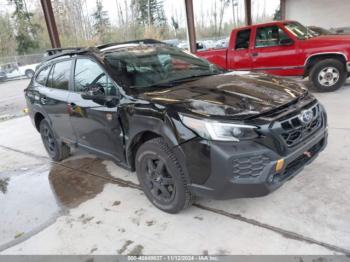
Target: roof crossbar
{"x": 140, "y": 41}
{"x": 55, "y": 51}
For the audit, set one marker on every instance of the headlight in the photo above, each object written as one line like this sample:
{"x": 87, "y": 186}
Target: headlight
{"x": 219, "y": 131}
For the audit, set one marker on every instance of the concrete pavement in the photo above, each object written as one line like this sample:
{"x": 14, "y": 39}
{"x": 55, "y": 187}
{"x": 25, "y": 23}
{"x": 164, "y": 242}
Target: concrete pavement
{"x": 86, "y": 205}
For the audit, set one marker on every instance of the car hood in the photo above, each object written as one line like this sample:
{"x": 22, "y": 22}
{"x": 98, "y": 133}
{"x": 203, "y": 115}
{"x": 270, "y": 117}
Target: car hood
{"x": 336, "y": 39}
{"x": 235, "y": 95}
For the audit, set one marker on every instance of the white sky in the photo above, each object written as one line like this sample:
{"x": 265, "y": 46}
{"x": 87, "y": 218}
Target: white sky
{"x": 177, "y": 8}
{"x": 174, "y": 8}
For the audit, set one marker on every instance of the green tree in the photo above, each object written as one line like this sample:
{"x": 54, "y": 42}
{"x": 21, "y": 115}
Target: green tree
{"x": 101, "y": 23}
{"x": 26, "y": 31}
{"x": 175, "y": 25}
{"x": 277, "y": 15}
{"x": 150, "y": 12}
{"x": 7, "y": 37}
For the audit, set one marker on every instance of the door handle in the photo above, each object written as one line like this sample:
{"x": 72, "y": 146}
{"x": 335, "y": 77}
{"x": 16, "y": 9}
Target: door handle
{"x": 255, "y": 54}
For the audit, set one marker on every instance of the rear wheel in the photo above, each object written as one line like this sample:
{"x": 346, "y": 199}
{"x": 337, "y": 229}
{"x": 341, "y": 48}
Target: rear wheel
{"x": 56, "y": 150}
{"x": 328, "y": 75}
{"x": 161, "y": 177}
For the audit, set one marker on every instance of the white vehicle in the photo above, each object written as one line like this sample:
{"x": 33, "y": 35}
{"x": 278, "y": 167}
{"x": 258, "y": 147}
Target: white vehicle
{"x": 222, "y": 43}
{"x": 208, "y": 44}
{"x": 200, "y": 46}
{"x": 13, "y": 70}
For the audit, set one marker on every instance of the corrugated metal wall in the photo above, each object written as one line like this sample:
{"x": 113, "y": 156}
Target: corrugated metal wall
{"x": 324, "y": 13}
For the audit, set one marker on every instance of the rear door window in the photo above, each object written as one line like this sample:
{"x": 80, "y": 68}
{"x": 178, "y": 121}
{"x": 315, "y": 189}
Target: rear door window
{"x": 42, "y": 76}
{"x": 60, "y": 75}
{"x": 242, "y": 39}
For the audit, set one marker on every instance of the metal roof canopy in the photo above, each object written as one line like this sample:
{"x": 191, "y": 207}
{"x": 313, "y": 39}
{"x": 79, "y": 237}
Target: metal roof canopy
{"x": 51, "y": 23}
{"x": 55, "y": 40}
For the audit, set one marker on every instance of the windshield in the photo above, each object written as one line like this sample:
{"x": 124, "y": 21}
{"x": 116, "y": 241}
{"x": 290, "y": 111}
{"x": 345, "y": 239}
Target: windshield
{"x": 143, "y": 66}
{"x": 319, "y": 31}
{"x": 300, "y": 31}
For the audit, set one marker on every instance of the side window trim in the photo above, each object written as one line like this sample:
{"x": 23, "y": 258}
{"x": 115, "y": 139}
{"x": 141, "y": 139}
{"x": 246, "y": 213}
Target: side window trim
{"x": 52, "y": 71}
{"x": 256, "y": 33}
{"x": 48, "y": 74}
{"x": 249, "y": 39}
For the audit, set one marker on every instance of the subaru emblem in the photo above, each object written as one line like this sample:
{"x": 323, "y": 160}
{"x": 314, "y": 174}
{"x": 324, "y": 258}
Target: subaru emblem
{"x": 306, "y": 116}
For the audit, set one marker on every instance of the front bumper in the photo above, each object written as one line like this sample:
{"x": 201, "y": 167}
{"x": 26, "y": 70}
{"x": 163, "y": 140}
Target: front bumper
{"x": 221, "y": 170}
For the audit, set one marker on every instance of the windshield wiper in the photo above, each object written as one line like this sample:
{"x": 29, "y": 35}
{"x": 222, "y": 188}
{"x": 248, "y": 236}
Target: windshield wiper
{"x": 154, "y": 85}
{"x": 172, "y": 83}
{"x": 190, "y": 78}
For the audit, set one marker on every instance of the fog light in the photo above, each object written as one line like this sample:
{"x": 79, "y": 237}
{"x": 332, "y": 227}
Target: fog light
{"x": 279, "y": 165}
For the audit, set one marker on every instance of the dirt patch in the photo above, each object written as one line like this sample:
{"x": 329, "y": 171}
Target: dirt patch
{"x": 84, "y": 219}
{"x": 125, "y": 246}
{"x": 4, "y": 182}
{"x": 19, "y": 235}
{"x": 121, "y": 230}
{"x": 136, "y": 251}
{"x": 93, "y": 250}
{"x": 150, "y": 223}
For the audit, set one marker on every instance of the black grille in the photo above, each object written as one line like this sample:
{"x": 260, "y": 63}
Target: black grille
{"x": 294, "y": 131}
{"x": 302, "y": 159}
{"x": 249, "y": 166}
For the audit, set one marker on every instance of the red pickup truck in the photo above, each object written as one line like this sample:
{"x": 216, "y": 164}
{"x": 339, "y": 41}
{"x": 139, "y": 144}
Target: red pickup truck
{"x": 287, "y": 48}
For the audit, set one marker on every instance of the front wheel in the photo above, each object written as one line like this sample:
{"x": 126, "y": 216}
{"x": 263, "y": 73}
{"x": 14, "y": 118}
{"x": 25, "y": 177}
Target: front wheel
{"x": 161, "y": 176}
{"x": 328, "y": 75}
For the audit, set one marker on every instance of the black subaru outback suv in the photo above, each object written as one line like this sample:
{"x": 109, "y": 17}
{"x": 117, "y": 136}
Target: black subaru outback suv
{"x": 187, "y": 127}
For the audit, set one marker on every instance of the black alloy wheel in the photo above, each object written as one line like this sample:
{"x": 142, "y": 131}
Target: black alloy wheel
{"x": 159, "y": 181}
{"x": 162, "y": 177}
{"x": 49, "y": 141}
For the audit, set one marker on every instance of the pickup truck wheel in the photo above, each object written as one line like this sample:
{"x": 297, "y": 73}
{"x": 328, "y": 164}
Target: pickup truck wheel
{"x": 328, "y": 75}
{"x": 56, "y": 150}
{"x": 29, "y": 73}
{"x": 161, "y": 176}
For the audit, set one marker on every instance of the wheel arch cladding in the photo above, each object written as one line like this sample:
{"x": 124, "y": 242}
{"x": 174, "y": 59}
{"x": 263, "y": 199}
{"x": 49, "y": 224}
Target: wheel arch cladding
{"x": 38, "y": 117}
{"x": 313, "y": 60}
{"x": 135, "y": 144}
{"x": 143, "y": 128}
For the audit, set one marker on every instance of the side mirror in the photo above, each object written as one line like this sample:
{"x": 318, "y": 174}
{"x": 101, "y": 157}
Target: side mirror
{"x": 286, "y": 42}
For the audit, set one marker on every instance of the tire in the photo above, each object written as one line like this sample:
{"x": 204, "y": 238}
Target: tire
{"x": 161, "y": 177}
{"x": 55, "y": 149}
{"x": 328, "y": 75}
{"x": 29, "y": 73}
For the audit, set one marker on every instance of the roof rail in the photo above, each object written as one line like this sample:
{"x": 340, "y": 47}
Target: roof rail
{"x": 55, "y": 51}
{"x": 58, "y": 52}
{"x": 140, "y": 41}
